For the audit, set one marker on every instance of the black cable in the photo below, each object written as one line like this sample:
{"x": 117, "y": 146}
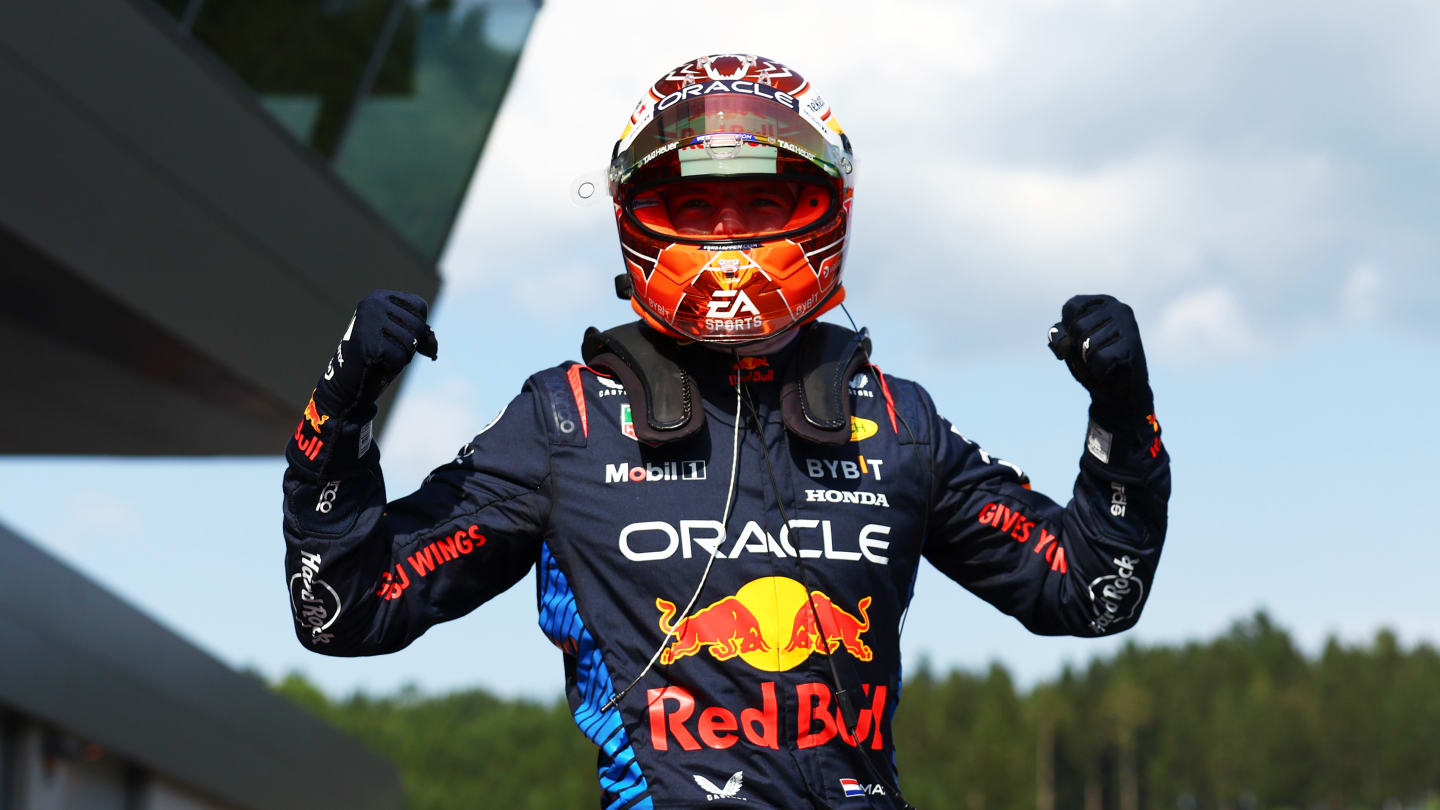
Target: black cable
{"x": 705, "y": 576}
{"x": 817, "y": 801}
{"x": 908, "y": 430}
{"x": 842, "y": 696}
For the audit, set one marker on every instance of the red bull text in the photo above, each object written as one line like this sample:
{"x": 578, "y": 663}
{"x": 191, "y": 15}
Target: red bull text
{"x": 818, "y": 721}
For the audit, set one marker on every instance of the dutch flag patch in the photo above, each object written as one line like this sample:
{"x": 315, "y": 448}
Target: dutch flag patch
{"x": 851, "y": 788}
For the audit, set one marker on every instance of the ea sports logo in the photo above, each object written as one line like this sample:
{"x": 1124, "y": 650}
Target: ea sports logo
{"x": 730, "y": 304}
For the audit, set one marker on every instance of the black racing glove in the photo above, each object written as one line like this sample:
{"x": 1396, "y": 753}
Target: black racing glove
{"x": 387, "y": 330}
{"x": 1098, "y": 339}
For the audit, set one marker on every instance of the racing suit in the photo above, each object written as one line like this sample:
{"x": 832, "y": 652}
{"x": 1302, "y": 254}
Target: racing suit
{"x": 814, "y": 566}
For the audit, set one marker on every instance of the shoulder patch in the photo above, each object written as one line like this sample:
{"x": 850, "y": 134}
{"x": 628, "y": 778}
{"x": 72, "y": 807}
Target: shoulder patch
{"x": 562, "y": 402}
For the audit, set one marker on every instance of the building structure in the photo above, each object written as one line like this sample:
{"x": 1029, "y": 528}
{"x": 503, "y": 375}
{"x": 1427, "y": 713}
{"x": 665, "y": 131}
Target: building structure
{"x": 176, "y": 176}
{"x": 180, "y": 175}
{"x": 102, "y": 707}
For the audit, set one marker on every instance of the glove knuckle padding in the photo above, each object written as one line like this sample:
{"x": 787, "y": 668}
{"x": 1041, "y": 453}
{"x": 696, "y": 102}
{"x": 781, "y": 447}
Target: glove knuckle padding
{"x": 392, "y": 343}
{"x": 401, "y": 318}
{"x": 411, "y": 303}
{"x": 387, "y": 327}
{"x": 1105, "y": 353}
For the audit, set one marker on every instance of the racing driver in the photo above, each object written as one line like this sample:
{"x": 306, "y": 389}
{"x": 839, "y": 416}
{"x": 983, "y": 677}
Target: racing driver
{"x": 726, "y": 503}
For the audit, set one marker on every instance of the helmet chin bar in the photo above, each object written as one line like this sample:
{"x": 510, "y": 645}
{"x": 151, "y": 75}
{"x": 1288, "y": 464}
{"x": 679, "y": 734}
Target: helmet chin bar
{"x": 834, "y": 299}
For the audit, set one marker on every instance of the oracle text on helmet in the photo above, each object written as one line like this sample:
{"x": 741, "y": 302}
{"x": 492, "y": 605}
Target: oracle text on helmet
{"x": 736, "y": 86}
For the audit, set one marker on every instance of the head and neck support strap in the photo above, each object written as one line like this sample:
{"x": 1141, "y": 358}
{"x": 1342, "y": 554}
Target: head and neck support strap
{"x": 665, "y": 399}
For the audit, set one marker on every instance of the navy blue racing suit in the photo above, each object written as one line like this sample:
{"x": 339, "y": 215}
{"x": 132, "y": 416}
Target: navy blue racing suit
{"x": 742, "y": 705}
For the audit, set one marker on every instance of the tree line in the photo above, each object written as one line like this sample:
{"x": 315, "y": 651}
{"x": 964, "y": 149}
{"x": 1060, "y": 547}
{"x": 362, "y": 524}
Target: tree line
{"x": 1245, "y": 721}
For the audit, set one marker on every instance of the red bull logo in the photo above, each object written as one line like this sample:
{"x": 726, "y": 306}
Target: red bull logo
{"x": 771, "y": 623}
{"x": 309, "y": 446}
{"x": 752, "y": 369}
{"x": 727, "y": 628}
{"x": 312, "y": 414}
{"x": 1154, "y": 427}
{"x": 678, "y": 719}
{"x": 821, "y": 623}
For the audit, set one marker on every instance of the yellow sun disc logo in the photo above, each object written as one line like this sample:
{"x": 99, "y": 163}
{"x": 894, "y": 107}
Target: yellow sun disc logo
{"x": 769, "y": 624}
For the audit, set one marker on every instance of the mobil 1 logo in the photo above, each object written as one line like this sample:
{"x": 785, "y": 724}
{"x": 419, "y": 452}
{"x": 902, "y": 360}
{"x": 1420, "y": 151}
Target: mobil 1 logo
{"x": 624, "y": 472}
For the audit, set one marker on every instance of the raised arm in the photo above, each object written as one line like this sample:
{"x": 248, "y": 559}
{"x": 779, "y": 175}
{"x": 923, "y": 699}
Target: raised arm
{"x": 1086, "y": 568}
{"x": 366, "y": 576}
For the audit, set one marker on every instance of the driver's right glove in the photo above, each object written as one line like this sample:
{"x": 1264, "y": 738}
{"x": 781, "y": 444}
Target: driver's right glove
{"x": 387, "y": 330}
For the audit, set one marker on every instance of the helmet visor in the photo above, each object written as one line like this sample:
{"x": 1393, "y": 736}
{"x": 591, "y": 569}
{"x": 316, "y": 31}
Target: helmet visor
{"x": 724, "y": 134}
{"x": 728, "y": 209}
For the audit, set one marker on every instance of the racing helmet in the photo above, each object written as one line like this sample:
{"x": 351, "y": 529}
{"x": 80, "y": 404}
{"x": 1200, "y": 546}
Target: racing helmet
{"x": 732, "y": 185}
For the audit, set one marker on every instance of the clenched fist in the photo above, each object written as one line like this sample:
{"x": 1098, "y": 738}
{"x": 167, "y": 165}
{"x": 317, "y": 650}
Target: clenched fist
{"x": 387, "y": 330}
{"x": 1098, "y": 339}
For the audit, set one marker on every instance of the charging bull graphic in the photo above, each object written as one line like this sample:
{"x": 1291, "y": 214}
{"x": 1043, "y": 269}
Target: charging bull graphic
{"x": 727, "y": 627}
{"x": 769, "y": 624}
{"x": 313, "y": 416}
{"x": 835, "y": 627}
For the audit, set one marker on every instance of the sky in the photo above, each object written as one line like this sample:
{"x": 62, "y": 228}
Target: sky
{"x": 1259, "y": 181}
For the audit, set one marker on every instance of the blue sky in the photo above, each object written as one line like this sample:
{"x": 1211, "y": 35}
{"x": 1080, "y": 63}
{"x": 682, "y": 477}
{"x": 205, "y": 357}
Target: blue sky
{"x": 1258, "y": 181}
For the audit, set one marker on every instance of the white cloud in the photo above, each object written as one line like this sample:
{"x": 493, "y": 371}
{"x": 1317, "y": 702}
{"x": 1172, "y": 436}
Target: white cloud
{"x": 118, "y": 515}
{"x": 1360, "y": 294}
{"x": 94, "y": 507}
{"x": 1014, "y": 153}
{"x": 427, "y": 422}
{"x": 1204, "y": 327}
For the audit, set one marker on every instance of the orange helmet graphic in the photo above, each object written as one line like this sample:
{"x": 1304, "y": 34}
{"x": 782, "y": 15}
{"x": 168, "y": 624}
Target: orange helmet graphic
{"x": 732, "y": 185}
